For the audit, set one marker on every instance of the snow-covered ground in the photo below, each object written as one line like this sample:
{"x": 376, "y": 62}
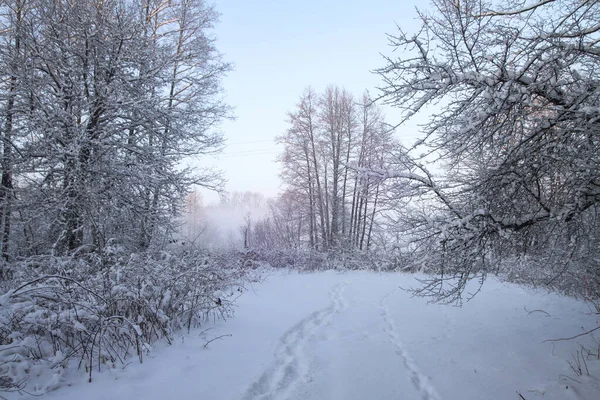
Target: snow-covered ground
{"x": 357, "y": 335}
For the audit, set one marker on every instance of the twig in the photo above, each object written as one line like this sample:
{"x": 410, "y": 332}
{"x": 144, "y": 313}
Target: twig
{"x": 583, "y": 361}
{"x": 514, "y": 12}
{"x": 59, "y": 277}
{"x": 572, "y": 337}
{"x": 215, "y": 338}
{"x": 532, "y": 311}
{"x": 203, "y": 333}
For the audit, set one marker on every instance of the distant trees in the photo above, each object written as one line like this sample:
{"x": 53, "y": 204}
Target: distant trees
{"x": 231, "y": 224}
{"x": 101, "y": 100}
{"x": 329, "y": 133}
{"x": 518, "y": 130}
{"x": 283, "y": 227}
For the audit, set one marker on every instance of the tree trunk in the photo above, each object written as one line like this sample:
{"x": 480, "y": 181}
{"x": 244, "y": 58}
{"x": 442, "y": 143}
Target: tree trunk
{"x": 373, "y": 216}
{"x": 6, "y": 184}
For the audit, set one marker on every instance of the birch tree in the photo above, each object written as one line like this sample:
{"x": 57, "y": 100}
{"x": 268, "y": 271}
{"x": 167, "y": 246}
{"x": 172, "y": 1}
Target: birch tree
{"x": 330, "y": 137}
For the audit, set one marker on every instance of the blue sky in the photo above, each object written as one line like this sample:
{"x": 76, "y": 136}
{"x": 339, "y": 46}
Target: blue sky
{"x": 278, "y": 49}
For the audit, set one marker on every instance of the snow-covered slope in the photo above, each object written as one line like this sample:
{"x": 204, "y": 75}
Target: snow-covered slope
{"x": 359, "y": 336}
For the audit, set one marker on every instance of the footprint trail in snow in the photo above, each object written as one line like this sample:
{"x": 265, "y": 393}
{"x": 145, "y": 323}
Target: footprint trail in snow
{"x": 419, "y": 380}
{"x": 291, "y": 366}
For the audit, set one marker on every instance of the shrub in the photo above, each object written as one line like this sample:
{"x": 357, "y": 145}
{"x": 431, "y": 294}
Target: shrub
{"x": 99, "y": 309}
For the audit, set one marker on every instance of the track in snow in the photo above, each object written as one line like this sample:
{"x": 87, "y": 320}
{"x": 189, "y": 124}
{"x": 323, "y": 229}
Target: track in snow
{"x": 420, "y": 381}
{"x": 290, "y": 367}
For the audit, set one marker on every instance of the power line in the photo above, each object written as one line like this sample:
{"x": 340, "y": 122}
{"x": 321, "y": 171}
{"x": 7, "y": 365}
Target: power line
{"x": 248, "y": 142}
{"x": 253, "y": 150}
{"x": 241, "y": 152}
{"x": 263, "y": 153}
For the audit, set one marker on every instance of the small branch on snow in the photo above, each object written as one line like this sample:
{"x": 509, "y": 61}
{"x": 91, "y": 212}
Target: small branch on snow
{"x": 203, "y": 333}
{"x": 532, "y": 311}
{"x": 215, "y": 338}
{"x": 572, "y": 337}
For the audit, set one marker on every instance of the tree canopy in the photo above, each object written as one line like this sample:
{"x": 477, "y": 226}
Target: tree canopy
{"x": 515, "y": 87}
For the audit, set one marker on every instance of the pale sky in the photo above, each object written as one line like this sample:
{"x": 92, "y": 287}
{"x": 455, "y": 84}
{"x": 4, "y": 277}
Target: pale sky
{"x": 278, "y": 49}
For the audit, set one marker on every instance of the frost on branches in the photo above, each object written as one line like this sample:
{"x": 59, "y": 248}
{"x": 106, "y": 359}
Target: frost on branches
{"x": 100, "y": 101}
{"x": 514, "y": 88}
{"x": 99, "y": 311}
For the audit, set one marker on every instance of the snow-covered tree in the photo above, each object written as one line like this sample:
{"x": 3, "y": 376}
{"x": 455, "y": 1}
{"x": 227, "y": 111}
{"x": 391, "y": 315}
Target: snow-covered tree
{"x": 328, "y": 133}
{"x": 515, "y": 89}
{"x": 102, "y": 102}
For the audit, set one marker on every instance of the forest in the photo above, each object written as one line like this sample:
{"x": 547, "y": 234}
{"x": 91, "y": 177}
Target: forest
{"x": 107, "y": 249}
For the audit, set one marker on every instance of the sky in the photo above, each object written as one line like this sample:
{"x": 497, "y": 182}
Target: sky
{"x": 279, "y": 48}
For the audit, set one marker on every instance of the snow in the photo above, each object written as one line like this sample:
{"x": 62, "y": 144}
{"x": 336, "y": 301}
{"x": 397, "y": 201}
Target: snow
{"x": 358, "y": 335}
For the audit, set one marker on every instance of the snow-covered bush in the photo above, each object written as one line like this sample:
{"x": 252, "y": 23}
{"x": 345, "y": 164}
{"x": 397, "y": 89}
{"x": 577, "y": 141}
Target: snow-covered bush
{"x": 98, "y": 310}
{"x": 335, "y": 259}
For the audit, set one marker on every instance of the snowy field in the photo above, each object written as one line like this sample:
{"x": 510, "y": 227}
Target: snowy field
{"x": 357, "y": 335}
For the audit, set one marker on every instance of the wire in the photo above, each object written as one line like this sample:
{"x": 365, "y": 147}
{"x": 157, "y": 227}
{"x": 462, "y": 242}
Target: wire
{"x": 248, "y": 142}
{"x": 258, "y": 153}
{"x": 251, "y": 151}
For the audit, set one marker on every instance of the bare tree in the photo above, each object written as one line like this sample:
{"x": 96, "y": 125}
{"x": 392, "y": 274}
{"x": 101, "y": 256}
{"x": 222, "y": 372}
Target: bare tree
{"x": 329, "y": 138}
{"x": 303, "y": 166}
{"x": 518, "y": 133}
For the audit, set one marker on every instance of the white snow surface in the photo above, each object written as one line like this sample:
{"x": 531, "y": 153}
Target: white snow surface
{"x": 358, "y": 335}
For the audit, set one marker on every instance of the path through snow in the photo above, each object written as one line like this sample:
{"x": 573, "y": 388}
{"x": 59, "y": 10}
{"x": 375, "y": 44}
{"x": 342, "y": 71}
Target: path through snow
{"x": 357, "y": 336}
{"x": 290, "y": 368}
